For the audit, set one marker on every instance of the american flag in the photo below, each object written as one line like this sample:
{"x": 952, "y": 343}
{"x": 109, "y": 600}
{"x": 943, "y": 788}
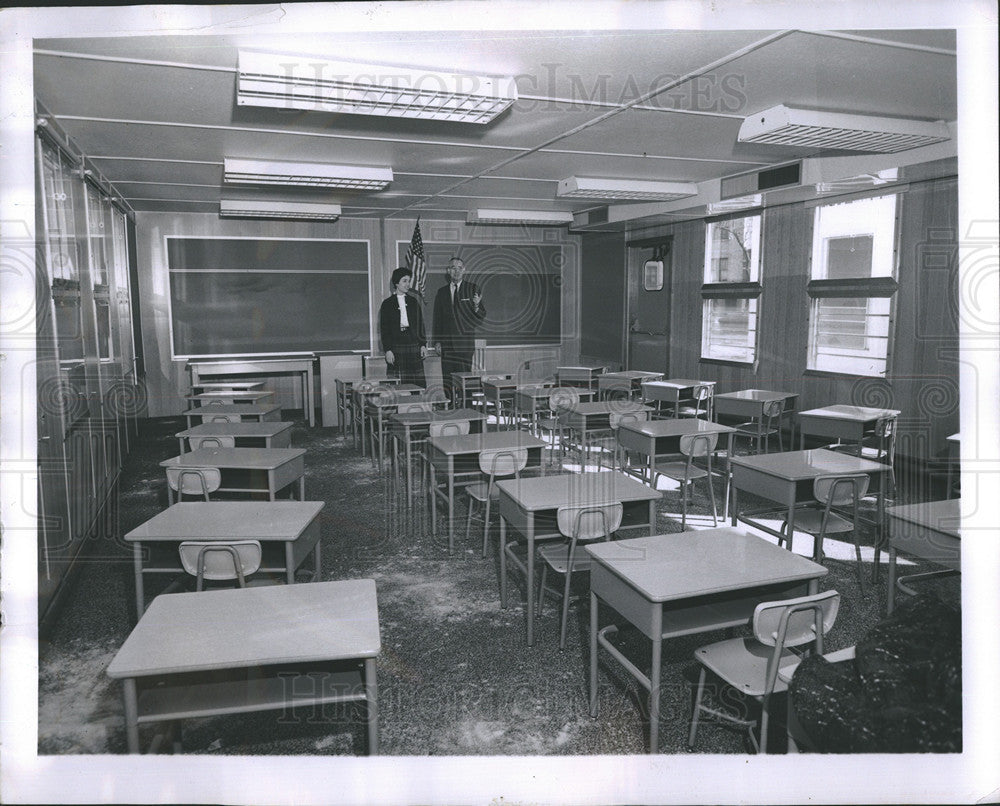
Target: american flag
{"x": 415, "y": 261}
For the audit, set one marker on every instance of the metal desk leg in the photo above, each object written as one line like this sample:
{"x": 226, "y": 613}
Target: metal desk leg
{"x": 140, "y": 594}
{"x": 530, "y": 573}
{"x": 503, "y": 563}
{"x": 593, "y": 654}
{"x": 131, "y": 714}
{"x": 890, "y": 594}
{"x": 654, "y": 678}
{"x": 371, "y": 693}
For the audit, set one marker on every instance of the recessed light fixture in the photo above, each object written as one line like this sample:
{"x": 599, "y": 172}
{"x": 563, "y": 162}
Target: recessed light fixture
{"x": 735, "y": 205}
{"x": 787, "y": 126}
{"x": 305, "y": 174}
{"x": 539, "y": 218}
{"x": 231, "y": 208}
{"x": 585, "y": 187}
{"x": 301, "y": 82}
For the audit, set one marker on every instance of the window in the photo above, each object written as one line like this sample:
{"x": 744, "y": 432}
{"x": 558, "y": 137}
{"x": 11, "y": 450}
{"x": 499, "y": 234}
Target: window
{"x": 852, "y": 285}
{"x": 731, "y": 291}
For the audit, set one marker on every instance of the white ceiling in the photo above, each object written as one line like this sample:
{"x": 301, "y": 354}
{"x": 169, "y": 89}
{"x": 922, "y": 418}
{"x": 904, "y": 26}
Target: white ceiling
{"x": 156, "y": 115}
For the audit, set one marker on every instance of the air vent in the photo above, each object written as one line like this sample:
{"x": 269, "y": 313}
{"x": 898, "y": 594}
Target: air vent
{"x": 747, "y": 184}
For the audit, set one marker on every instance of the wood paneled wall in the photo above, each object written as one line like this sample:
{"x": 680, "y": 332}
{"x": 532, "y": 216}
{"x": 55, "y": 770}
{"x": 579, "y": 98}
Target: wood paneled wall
{"x": 166, "y": 378}
{"x": 923, "y": 378}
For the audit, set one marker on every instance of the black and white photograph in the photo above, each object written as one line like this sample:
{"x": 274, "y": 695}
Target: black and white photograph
{"x": 507, "y": 403}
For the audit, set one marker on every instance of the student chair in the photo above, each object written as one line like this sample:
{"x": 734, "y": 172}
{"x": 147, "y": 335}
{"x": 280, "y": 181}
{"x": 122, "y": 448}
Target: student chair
{"x": 212, "y": 442}
{"x": 581, "y": 523}
{"x": 454, "y": 428}
{"x": 819, "y": 519}
{"x": 770, "y": 423}
{"x": 494, "y": 464}
{"x": 560, "y": 399}
{"x": 702, "y": 398}
{"x": 692, "y": 446}
{"x": 217, "y": 561}
{"x": 879, "y": 446}
{"x": 606, "y": 442}
{"x": 751, "y": 665}
{"x": 194, "y": 481}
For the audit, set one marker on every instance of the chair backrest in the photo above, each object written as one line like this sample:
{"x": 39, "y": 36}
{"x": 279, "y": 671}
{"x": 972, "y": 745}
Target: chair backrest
{"x": 792, "y": 622}
{"x": 212, "y": 442}
{"x": 702, "y": 391}
{"x": 503, "y": 461}
{"x": 885, "y": 427}
{"x": 563, "y": 398}
{"x": 223, "y": 418}
{"x": 842, "y": 490}
{"x": 616, "y": 418}
{"x": 366, "y": 386}
{"x": 694, "y": 445}
{"x": 589, "y": 521}
{"x": 194, "y": 480}
{"x": 413, "y": 408}
{"x": 772, "y": 409}
{"x": 217, "y": 560}
{"x": 449, "y": 428}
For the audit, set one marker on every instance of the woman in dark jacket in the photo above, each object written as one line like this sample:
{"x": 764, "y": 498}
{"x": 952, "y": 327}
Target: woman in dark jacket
{"x": 401, "y": 327}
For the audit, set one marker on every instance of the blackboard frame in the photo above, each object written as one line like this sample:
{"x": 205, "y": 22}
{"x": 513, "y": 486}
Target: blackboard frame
{"x": 287, "y": 305}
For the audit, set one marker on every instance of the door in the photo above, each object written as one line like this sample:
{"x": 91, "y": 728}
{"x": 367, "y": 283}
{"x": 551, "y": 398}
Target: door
{"x": 649, "y": 315}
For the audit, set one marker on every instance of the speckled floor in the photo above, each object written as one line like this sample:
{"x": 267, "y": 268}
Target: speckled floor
{"x": 455, "y": 676}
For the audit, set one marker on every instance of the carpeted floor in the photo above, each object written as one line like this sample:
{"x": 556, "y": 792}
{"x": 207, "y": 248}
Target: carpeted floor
{"x": 455, "y": 676}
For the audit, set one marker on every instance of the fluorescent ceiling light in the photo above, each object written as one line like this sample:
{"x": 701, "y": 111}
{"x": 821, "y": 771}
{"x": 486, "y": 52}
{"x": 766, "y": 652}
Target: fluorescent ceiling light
{"x": 300, "y": 82}
{"x": 735, "y": 205}
{"x": 585, "y": 187}
{"x": 278, "y": 209}
{"x": 783, "y": 125}
{"x": 530, "y": 217}
{"x": 305, "y": 174}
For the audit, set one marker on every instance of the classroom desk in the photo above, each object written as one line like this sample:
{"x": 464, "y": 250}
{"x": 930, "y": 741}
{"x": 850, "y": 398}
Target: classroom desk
{"x": 270, "y": 433}
{"x": 458, "y": 457}
{"x": 500, "y": 390}
{"x": 292, "y": 525}
{"x": 414, "y": 426}
{"x": 244, "y": 650}
{"x": 345, "y": 408}
{"x": 246, "y": 412}
{"x": 229, "y": 396}
{"x": 465, "y": 385}
{"x": 209, "y": 385}
{"x": 530, "y": 401}
{"x": 379, "y": 409}
{"x": 931, "y": 531}
{"x": 673, "y": 391}
{"x": 584, "y": 375}
{"x": 279, "y": 466}
{"x": 361, "y": 398}
{"x": 787, "y": 478}
{"x": 686, "y": 583}
{"x": 628, "y": 383}
{"x": 748, "y": 404}
{"x": 653, "y": 438}
{"x": 846, "y": 423}
{"x": 528, "y": 506}
{"x": 301, "y": 365}
{"x": 585, "y": 418}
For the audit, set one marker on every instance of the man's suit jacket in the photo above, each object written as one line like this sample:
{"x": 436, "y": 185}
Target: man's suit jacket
{"x": 455, "y": 325}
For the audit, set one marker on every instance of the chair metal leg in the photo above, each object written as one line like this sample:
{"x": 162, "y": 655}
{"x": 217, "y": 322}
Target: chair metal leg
{"x": 486, "y": 525}
{"x": 697, "y": 708}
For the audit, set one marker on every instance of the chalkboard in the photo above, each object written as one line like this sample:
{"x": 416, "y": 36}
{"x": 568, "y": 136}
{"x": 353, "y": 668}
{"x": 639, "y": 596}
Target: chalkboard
{"x": 250, "y": 296}
{"x": 521, "y": 286}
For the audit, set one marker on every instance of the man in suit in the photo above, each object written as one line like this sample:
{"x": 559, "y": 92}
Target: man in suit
{"x": 458, "y": 309}
{"x": 401, "y": 327}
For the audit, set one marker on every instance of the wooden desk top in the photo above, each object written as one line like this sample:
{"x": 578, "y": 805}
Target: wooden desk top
{"x": 598, "y": 368}
{"x": 941, "y": 516}
{"x": 441, "y": 416}
{"x": 674, "y": 428}
{"x": 759, "y": 395}
{"x": 678, "y": 383}
{"x": 605, "y": 407}
{"x": 689, "y": 564}
{"x": 549, "y": 492}
{"x": 803, "y": 465}
{"x": 229, "y": 520}
{"x": 206, "y": 366}
{"x": 858, "y": 413}
{"x": 245, "y": 458}
{"x": 252, "y": 395}
{"x": 955, "y": 437}
{"x": 230, "y": 384}
{"x": 233, "y": 408}
{"x": 266, "y": 428}
{"x": 249, "y": 627}
{"x": 493, "y": 440}
{"x": 406, "y": 396}
{"x": 629, "y": 375}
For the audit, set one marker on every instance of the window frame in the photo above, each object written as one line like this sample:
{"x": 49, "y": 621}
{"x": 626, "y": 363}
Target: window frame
{"x": 880, "y": 285}
{"x": 713, "y": 289}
